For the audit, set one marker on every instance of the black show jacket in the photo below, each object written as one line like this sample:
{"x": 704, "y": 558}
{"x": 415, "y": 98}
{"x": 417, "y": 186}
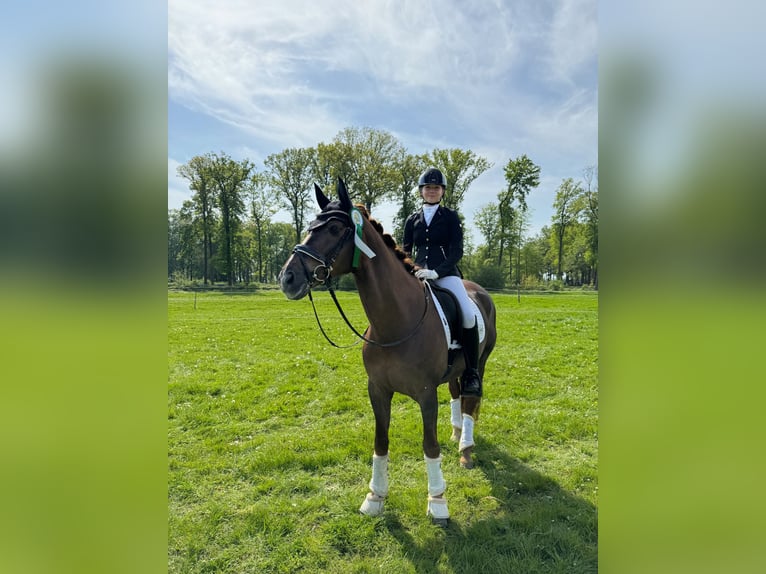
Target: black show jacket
{"x": 438, "y": 246}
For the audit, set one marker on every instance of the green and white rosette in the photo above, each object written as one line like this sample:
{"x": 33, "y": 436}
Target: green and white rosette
{"x": 361, "y": 246}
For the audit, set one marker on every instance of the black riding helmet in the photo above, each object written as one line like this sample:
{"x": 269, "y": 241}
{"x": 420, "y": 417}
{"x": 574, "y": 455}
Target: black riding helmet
{"x": 432, "y": 176}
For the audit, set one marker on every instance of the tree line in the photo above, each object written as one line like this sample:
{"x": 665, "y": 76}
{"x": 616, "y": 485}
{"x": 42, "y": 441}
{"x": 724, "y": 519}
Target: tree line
{"x": 225, "y": 232}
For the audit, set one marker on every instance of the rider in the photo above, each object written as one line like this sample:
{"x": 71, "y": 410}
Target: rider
{"x": 437, "y": 235}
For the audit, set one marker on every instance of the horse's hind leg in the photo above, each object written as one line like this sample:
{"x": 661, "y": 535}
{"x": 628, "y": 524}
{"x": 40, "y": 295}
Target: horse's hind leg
{"x": 456, "y": 415}
{"x": 470, "y": 406}
{"x": 470, "y": 410}
{"x": 381, "y": 407}
{"x": 463, "y": 414}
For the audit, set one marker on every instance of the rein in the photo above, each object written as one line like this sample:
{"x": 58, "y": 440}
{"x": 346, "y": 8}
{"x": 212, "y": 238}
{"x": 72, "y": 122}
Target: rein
{"x": 357, "y": 333}
{"x": 333, "y": 343}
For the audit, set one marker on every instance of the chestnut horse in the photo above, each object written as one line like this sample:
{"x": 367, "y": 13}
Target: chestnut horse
{"x": 405, "y": 349}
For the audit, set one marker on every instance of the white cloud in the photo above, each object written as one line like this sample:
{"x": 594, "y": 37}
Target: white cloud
{"x": 572, "y": 40}
{"x": 269, "y": 67}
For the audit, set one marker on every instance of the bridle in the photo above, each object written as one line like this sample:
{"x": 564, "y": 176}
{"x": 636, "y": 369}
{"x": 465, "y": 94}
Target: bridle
{"x": 326, "y": 263}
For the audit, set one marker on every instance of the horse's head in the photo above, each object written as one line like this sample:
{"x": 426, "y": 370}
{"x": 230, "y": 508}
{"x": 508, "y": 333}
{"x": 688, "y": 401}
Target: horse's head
{"x": 326, "y": 251}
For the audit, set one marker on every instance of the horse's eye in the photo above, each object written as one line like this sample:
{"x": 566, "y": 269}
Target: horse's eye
{"x": 335, "y": 229}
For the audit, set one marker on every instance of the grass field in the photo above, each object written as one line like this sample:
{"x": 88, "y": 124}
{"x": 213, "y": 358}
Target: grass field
{"x": 270, "y": 441}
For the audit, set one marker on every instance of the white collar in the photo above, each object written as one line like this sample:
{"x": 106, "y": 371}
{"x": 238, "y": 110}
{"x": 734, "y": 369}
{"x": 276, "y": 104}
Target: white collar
{"x": 429, "y": 211}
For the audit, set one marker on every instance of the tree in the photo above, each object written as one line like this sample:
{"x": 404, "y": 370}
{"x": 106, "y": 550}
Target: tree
{"x": 590, "y": 210}
{"x": 461, "y": 168}
{"x": 505, "y": 217}
{"x": 566, "y": 208}
{"x": 487, "y": 220}
{"x": 197, "y": 171}
{"x": 229, "y": 177}
{"x": 279, "y": 245}
{"x": 576, "y": 267}
{"x": 522, "y": 225}
{"x": 369, "y": 161}
{"x": 174, "y": 241}
{"x": 289, "y": 175}
{"x": 262, "y": 206}
{"x": 533, "y": 257}
{"x": 184, "y": 245}
{"x": 521, "y": 175}
{"x": 324, "y": 161}
{"x": 408, "y": 170}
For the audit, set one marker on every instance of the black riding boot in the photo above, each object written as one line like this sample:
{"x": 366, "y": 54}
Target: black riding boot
{"x": 470, "y": 382}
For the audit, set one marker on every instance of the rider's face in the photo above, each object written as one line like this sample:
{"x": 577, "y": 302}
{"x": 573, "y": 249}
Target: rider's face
{"x": 432, "y": 193}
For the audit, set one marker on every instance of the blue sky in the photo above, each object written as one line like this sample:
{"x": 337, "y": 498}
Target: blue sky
{"x": 499, "y": 78}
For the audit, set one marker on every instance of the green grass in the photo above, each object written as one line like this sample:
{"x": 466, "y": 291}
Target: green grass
{"x": 270, "y": 438}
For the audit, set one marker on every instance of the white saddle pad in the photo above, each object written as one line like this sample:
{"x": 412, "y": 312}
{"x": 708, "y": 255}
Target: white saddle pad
{"x": 453, "y": 344}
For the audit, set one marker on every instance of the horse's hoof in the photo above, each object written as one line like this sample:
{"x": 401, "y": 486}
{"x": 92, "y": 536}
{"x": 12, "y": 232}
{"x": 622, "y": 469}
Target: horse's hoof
{"x": 466, "y": 460}
{"x": 372, "y": 505}
{"x": 456, "y": 432}
{"x": 440, "y": 522}
{"x": 437, "y": 510}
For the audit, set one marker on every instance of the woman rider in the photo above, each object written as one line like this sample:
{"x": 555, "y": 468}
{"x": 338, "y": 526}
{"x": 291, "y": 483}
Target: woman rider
{"x": 437, "y": 236}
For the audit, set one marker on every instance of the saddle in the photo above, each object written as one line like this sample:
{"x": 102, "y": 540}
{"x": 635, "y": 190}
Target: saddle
{"x": 452, "y": 312}
{"x": 454, "y": 317}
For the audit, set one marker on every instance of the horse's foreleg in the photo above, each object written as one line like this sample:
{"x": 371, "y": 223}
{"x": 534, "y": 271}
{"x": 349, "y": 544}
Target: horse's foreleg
{"x": 381, "y": 407}
{"x": 429, "y": 407}
{"x": 437, "y": 502}
{"x": 376, "y": 498}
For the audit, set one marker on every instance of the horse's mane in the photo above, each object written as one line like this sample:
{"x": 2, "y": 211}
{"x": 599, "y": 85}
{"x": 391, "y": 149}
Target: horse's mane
{"x": 409, "y": 265}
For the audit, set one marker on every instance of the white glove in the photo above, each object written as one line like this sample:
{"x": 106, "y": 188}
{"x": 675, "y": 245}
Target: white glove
{"x": 424, "y": 274}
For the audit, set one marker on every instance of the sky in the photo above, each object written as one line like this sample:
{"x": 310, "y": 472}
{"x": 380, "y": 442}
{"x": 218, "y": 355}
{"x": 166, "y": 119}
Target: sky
{"x": 499, "y": 78}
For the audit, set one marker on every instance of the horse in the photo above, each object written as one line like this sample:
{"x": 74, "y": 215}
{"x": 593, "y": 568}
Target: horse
{"x": 405, "y": 350}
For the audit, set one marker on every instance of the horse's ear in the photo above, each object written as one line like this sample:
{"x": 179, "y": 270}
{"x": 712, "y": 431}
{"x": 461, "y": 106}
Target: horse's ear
{"x": 345, "y": 200}
{"x": 321, "y": 197}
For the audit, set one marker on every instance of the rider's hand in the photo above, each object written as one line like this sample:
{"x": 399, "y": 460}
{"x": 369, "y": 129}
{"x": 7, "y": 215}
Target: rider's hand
{"x": 424, "y": 274}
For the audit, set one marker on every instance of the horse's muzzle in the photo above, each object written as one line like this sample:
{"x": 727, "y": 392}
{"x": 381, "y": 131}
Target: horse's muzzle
{"x": 293, "y": 285}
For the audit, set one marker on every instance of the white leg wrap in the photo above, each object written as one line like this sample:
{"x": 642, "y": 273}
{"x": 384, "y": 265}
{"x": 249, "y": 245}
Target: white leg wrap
{"x": 455, "y": 416}
{"x": 466, "y": 439}
{"x": 374, "y": 501}
{"x": 436, "y": 483}
{"x": 437, "y": 507}
{"x": 379, "y": 482}
{"x": 456, "y": 419}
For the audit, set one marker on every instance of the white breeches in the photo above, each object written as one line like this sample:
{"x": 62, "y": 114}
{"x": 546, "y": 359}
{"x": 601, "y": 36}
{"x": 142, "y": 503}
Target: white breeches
{"x": 455, "y": 285}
